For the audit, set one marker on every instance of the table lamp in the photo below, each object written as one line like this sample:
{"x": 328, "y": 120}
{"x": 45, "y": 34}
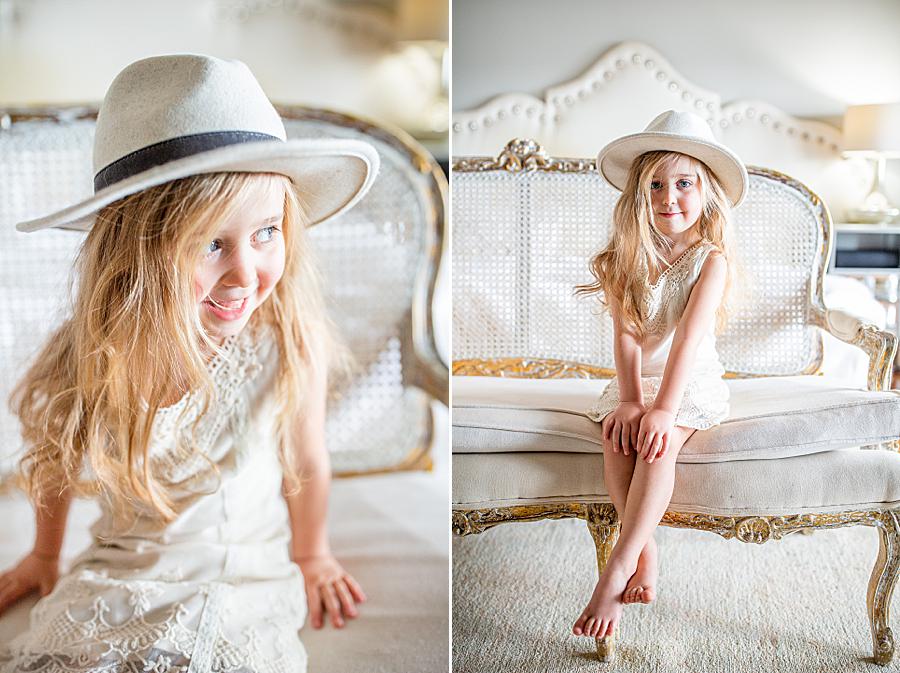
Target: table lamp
{"x": 873, "y": 131}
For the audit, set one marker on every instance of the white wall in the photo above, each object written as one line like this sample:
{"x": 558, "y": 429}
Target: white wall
{"x": 809, "y": 57}
{"x": 340, "y": 54}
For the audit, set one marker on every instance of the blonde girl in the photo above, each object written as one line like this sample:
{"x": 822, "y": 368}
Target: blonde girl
{"x": 664, "y": 277}
{"x": 187, "y": 389}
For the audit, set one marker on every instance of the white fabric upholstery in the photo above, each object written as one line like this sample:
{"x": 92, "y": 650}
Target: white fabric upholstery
{"x": 822, "y": 482}
{"x": 773, "y": 417}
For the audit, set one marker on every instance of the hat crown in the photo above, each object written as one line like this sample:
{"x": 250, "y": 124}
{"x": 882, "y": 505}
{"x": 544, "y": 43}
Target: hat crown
{"x": 165, "y": 97}
{"x": 676, "y": 123}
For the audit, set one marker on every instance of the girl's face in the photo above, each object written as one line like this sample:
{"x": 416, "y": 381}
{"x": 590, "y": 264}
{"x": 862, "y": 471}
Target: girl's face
{"x": 242, "y": 264}
{"x": 675, "y": 196}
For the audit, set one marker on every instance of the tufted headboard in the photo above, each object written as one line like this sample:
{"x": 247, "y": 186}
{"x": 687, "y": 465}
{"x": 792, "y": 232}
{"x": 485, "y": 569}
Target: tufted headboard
{"x": 632, "y": 83}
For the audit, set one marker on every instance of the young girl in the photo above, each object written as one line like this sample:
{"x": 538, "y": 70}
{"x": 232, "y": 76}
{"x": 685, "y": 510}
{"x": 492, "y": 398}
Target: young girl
{"x": 188, "y": 389}
{"x": 663, "y": 276}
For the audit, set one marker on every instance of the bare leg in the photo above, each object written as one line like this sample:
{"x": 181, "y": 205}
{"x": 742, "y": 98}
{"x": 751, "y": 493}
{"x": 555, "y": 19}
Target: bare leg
{"x": 617, "y": 472}
{"x": 648, "y": 497}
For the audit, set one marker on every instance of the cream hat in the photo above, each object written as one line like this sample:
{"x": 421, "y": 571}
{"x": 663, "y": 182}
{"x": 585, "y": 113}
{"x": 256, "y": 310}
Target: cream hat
{"x": 683, "y": 132}
{"x": 169, "y": 117}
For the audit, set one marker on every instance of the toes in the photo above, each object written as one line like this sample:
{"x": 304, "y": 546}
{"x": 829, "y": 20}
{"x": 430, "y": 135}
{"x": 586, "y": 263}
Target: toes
{"x": 647, "y": 595}
{"x": 578, "y": 629}
{"x": 611, "y": 628}
{"x": 589, "y": 626}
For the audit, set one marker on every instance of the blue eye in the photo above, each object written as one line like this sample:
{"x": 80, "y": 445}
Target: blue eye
{"x": 684, "y": 184}
{"x": 656, "y": 184}
{"x": 215, "y": 246}
{"x": 266, "y": 234}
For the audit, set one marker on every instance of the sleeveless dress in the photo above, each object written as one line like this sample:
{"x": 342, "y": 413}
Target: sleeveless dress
{"x": 705, "y": 400}
{"x": 215, "y": 589}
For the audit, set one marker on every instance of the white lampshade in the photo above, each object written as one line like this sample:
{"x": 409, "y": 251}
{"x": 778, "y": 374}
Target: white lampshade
{"x": 873, "y": 129}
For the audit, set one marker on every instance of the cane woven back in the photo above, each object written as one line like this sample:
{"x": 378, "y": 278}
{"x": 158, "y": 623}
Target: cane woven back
{"x": 525, "y": 227}
{"x": 379, "y": 262}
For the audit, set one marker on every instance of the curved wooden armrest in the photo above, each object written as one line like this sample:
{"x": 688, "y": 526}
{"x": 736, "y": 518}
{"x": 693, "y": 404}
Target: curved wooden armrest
{"x": 881, "y": 346}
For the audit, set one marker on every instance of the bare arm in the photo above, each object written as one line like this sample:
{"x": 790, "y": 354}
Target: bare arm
{"x": 627, "y": 349}
{"x": 699, "y": 313}
{"x": 51, "y": 523}
{"x": 328, "y": 587}
{"x": 657, "y": 424}
{"x": 620, "y": 427}
{"x": 308, "y": 509}
{"x": 39, "y": 569}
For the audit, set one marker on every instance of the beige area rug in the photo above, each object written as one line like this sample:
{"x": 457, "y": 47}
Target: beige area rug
{"x": 796, "y": 604}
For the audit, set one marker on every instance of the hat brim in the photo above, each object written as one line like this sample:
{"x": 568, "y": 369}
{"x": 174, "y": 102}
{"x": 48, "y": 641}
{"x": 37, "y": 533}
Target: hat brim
{"x": 331, "y": 175}
{"x": 614, "y": 161}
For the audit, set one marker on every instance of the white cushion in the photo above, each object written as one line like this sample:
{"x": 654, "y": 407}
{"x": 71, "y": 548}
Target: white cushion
{"x": 848, "y": 479}
{"x": 773, "y": 417}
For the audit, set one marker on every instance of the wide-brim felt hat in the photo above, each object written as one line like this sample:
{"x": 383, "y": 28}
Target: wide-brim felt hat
{"x": 174, "y": 116}
{"x": 682, "y": 132}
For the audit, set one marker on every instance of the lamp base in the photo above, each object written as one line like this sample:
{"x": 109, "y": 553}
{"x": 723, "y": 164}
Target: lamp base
{"x": 872, "y": 215}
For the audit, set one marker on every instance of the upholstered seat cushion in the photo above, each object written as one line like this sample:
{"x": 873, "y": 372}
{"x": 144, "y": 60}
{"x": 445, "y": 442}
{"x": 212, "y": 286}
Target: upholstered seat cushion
{"x": 774, "y": 417}
{"x": 820, "y": 482}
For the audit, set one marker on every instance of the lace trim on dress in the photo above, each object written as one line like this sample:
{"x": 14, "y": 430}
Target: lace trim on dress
{"x": 84, "y": 633}
{"x": 233, "y": 369}
{"x": 659, "y": 296}
{"x": 701, "y": 407}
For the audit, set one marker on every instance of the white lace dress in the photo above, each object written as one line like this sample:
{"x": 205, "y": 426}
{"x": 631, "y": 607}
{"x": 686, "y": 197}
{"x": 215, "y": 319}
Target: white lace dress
{"x": 705, "y": 400}
{"x": 214, "y": 590}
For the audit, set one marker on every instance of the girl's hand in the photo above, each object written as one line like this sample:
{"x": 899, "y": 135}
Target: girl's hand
{"x": 620, "y": 427}
{"x": 330, "y": 588}
{"x": 35, "y": 572}
{"x": 654, "y": 434}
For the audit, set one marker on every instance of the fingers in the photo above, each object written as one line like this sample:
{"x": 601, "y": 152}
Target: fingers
{"x": 332, "y": 604}
{"x": 348, "y": 605}
{"x": 607, "y": 428}
{"x": 646, "y": 444}
{"x": 11, "y": 592}
{"x": 655, "y": 446}
{"x": 664, "y": 448}
{"x": 355, "y": 589}
{"x": 314, "y": 600}
{"x": 617, "y": 434}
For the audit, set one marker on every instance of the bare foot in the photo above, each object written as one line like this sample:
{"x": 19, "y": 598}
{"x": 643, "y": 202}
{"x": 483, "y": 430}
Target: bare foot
{"x": 641, "y": 587}
{"x": 603, "y": 611}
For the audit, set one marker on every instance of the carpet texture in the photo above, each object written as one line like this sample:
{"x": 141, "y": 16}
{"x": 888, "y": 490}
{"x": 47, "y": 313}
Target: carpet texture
{"x": 796, "y": 604}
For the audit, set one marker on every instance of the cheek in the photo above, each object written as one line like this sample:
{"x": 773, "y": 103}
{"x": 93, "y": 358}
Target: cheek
{"x": 201, "y": 286}
{"x": 271, "y": 271}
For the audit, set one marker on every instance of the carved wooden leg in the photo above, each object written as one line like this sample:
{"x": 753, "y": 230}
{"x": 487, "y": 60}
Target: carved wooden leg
{"x": 881, "y": 586}
{"x": 603, "y": 522}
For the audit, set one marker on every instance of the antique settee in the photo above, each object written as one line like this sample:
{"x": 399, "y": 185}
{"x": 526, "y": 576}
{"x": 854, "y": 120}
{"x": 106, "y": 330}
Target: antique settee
{"x": 798, "y": 451}
{"x": 812, "y": 439}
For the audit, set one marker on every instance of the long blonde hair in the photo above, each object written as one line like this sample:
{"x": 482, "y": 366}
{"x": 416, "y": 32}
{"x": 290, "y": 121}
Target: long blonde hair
{"x": 635, "y": 248}
{"x": 135, "y": 338}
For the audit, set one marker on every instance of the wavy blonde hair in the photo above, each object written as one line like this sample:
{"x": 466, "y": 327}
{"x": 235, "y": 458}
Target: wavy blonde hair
{"x": 135, "y": 340}
{"x": 635, "y": 249}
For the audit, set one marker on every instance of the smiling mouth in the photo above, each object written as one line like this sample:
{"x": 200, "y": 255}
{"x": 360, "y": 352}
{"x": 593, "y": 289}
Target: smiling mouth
{"x": 232, "y": 305}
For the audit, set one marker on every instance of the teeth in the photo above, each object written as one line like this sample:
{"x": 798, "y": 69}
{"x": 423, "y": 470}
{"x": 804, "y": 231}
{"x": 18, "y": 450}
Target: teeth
{"x": 231, "y": 305}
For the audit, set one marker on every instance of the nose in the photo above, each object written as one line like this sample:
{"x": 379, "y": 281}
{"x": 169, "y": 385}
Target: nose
{"x": 670, "y": 194}
{"x": 241, "y": 270}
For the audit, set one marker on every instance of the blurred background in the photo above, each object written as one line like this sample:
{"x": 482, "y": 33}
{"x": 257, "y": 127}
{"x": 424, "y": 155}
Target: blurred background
{"x": 383, "y": 60}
